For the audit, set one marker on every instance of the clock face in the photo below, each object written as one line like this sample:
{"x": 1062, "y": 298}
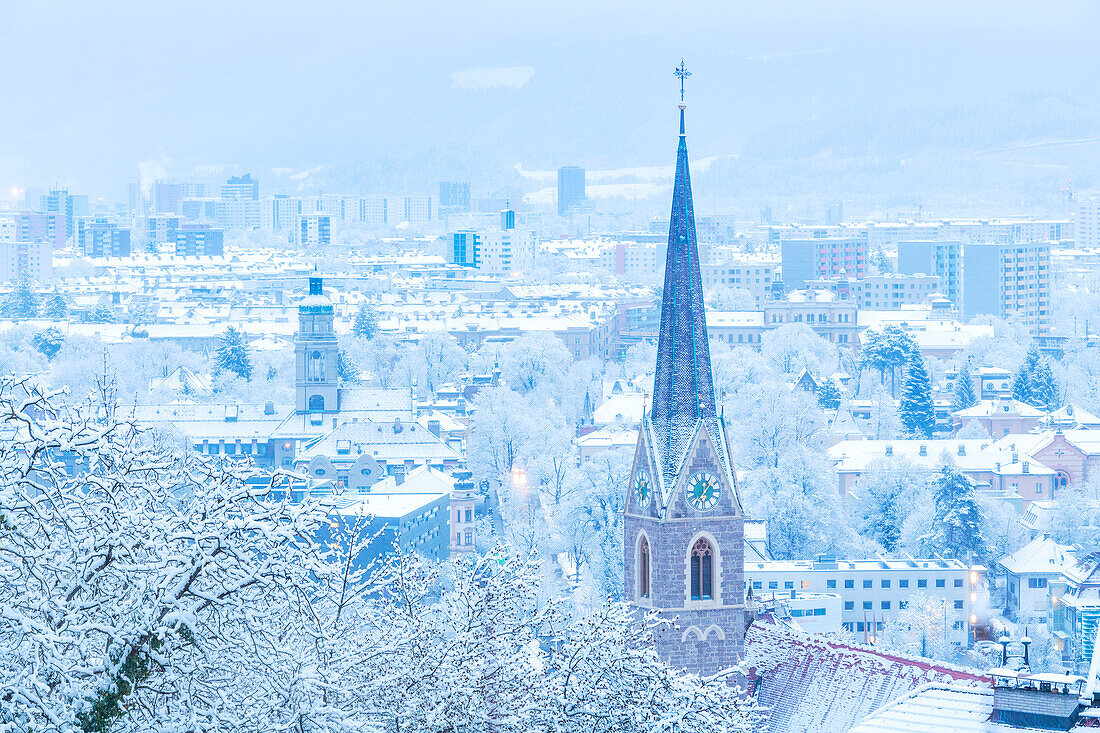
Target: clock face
{"x": 703, "y": 491}
{"x": 642, "y": 488}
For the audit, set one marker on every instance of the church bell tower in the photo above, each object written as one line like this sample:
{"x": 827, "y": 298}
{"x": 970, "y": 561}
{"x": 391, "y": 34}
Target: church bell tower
{"x": 316, "y": 354}
{"x": 683, "y": 523}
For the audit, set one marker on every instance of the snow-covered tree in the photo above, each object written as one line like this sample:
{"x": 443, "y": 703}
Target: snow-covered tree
{"x": 233, "y": 355}
{"x": 800, "y": 504}
{"x": 886, "y": 351}
{"x": 918, "y": 411}
{"x": 440, "y": 358}
{"x": 884, "y": 496}
{"x": 102, "y": 312}
{"x": 346, "y": 368}
{"x": 1021, "y": 380}
{"x": 963, "y": 396}
{"x": 22, "y": 301}
{"x": 533, "y": 361}
{"x": 920, "y": 629}
{"x": 773, "y": 420}
{"x": 136, "y": 582}
{"x": 55, "y": 307}
{"x": 957, "y": 518}
{"x": 1076, "y": 516}
{"x": 499, "y": 431}
{"x": 365, "y": 325}
{"x": 884, "y": 422}
{"x": 49, "y": 342}
{"x": 1001, "y": 528}
{"x": 1044, "y": 388}
{"x": 793, "y": 347}
{"x": 828, "y": 395}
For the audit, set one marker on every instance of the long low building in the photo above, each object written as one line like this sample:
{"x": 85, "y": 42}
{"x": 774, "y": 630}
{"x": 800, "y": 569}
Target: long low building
{"x": 873, "y": 591}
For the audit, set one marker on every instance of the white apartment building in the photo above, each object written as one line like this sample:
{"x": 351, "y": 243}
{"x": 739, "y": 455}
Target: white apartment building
{"x": 374, "y": 211}
{"x": 753, "y": 276}
{"x": 1086, "y": 222}
{"x": 873, "y": 591}
{"x": 890, "y": 292}
{"x": 418, "y": 208}
{"x": 315, "y": 230}
{"x": 280, "y": 213}
{"x": 238, "y": 213}
{"x": 34, "y": 259}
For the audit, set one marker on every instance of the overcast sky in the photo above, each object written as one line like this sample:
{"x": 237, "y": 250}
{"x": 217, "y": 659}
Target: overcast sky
{"x": 92, "y": 91}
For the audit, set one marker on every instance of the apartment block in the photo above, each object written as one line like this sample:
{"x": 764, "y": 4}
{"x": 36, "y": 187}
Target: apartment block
{"x": 20, "y": 259}
{"x": 874, "y": 591}
{"x": 1007, "y": 280}
{"x": 808, "y": 259}
{"x": 199, "y": 240}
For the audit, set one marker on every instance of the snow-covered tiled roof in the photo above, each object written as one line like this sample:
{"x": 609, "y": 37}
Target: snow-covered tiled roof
{"x": 1041, "y": 555}
{"x": 812, "y": 684}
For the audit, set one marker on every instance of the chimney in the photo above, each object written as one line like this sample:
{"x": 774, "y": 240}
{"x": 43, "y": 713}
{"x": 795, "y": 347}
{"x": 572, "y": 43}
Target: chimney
{"x": 397, "y": 425}
{"x": 889, "y": 450}
{"x": 1027, "y": 467}
{"x": 1003, "y": 641}
{"x": 433, "y": 427}
{"x": 962, "y": 449}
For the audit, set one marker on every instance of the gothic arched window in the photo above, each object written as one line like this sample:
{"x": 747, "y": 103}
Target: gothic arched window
{"x": 643, "y": 568}
{"x": 315, "y": 366}
{"x": 702, "y": 571}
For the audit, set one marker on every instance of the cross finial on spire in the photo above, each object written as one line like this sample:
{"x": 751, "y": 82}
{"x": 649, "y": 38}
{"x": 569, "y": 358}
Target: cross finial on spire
{"x": 681, "y": 74}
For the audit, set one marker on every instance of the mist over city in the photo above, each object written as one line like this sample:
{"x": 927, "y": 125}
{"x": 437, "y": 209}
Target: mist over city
{"x": 571, "y": 367}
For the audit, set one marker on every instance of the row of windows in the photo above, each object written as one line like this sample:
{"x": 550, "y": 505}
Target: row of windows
{"x": 867, "y": 583}
{"x": 886, "y": 605}
{"x": 231, "y": 449}
{"x": 701, "y": 570}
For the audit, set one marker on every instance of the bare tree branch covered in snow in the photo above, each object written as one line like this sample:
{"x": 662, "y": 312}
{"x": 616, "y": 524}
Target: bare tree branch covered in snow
{"x": 143, "y": 589}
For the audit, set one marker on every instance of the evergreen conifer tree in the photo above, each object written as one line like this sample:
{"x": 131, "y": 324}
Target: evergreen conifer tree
{"x": 957, "y": 520}
{"x": 918, "y": 412}
{"x": 964, "y": 388}
{"x": 1044, "y": 388}
{"x": 366, "y": 322}
{"x": 1022, "y": 379}
{"x": 102, "y": 313}
{"x": 828, "y": 395}
{"x": 232, "y": 355}
{"x": 346, "y": 368}
{"x": 56, "y": 306}
{"x": 22, "y": 302}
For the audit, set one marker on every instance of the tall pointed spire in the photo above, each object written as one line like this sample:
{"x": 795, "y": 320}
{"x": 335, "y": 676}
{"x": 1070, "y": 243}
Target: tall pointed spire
{"x": 683, "y": 389}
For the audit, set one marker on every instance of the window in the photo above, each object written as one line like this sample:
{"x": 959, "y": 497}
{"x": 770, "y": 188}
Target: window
{"x": 849, "y": 605}
{"x": 903, "y": 583}
{"x": 866, "y": 584}
{"x": 702, "y": 571}
{"x": 859, "y": 626}
{"x": 773, "y": 585}
{"x": 903, "y": 605}
{"x": 805, "y": 584}
{"x": 958, "y": 583}
{"x": 886, "y": 584}
{"x": 1036, "y": 583}
{"x": 830, "y": 584}
{"x": 940, "y": 582}
{"x": 316, "y": 403}
{"x": 958, "y": 605}
{"x": 757, "y": 585}
{"x": 866, "y": 605}
{"x": 922, "y": 582}
{"x": 469, "y": 537}
{"x": 469, "y": 515}
{"x": 643, "y": 568}
{"x": 315, "y": 367}
{"x": 849, "y": 584}
{"x": 886, "y": 605}
{"x": 788, "y": 584}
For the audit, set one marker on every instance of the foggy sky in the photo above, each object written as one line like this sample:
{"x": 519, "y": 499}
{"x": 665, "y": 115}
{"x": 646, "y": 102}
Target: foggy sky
{"x": 430, "y": 90}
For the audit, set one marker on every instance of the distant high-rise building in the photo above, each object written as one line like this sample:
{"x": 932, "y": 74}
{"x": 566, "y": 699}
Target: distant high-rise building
{"x": 71, "y": 206}
{"x": 99, "y": 237}
{"x": 200, "y": 209}
{"x": 241, "y": 188}
{"x": 418, "y": 208}
{"x": 20, "y": 259}
{"x": 375, "y": 211}
{"x": 1007, "y": 280}
{"x": 1086, "y": 223}
{"x": 507, "y": 219}
{"x": 454, "y": 196}
{"x": 136, "y": 200}
{"x": 35, "y": 226}
{"x": 943, "y": 258}
{"x": 167, "y": 197}
{"x": 571, "y": 190}
{"x": 161, "y": 229}
{"x": 199, "y": 240}
{"x": 7, "y": 229}
{"x": 500, "y": 253}
{"x": 315, "y": 230}
{"x": 809, "y": 259}
{"x": 280, "y": 213}
{"x": 238, "y": 213}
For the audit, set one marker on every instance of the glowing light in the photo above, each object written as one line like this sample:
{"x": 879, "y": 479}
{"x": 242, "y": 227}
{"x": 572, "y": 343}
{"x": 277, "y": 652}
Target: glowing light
{"x": 15, "y": 192}
{"x": 519, "y": 478}
{"x": 973, "y": 619}
{"x": 973, "y": 597}
{"x": 973, "y": 577}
